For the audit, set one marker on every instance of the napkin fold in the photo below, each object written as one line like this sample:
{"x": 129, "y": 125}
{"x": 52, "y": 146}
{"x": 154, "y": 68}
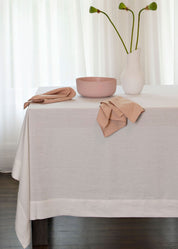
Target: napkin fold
{"x": 56, "y": 95}
{"x": 113, "y": 114}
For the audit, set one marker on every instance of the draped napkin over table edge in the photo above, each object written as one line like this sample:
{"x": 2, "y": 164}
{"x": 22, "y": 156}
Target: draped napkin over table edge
{"x": 56, "y": 95}
{"x": 114, "y": 112}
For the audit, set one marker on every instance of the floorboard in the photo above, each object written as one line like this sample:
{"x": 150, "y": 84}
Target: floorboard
{"x": 88, "y": 233}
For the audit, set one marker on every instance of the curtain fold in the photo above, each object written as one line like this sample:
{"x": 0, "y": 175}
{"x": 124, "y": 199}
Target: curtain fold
{"x": 52, "y": 42}
{"x": 175, "y": 40}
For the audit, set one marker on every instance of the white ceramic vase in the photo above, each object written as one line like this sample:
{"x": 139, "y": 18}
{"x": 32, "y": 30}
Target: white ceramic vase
{"x": 132, "y": 78}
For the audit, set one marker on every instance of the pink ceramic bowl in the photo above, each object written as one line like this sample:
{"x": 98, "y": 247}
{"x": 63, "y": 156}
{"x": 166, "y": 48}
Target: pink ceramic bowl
{"x": 96, "y": 87}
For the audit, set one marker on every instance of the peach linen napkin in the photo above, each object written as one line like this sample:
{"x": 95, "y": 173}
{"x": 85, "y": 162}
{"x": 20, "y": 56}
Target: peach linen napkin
{"x": 56, "y": 95}
{"x": 113, "y": 114}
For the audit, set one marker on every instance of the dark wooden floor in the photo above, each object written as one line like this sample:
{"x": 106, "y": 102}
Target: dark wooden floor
{"x": 88, "y": 233}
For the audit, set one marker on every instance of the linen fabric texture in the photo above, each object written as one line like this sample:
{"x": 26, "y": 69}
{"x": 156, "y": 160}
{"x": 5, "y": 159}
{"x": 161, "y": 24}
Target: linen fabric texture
{"x": 65, "y": 166}
{"x": 56, "y": 95}
{"x": 113, "y": 114}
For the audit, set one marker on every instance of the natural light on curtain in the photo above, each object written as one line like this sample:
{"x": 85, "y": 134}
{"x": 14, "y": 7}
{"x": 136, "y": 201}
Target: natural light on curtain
{"x": 51, "y": 42}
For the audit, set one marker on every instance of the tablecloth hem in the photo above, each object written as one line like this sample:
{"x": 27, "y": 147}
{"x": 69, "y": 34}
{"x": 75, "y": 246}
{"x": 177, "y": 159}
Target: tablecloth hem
{"x": 22, "y": 226}
{"x": 103, "y": 208}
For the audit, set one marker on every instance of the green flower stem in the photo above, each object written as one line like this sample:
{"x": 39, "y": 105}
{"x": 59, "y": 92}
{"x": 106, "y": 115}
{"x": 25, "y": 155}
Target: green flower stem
{"x": 116, "y": 31}
{"x": 138, "y": 28}
{"x": 132, "y": 29}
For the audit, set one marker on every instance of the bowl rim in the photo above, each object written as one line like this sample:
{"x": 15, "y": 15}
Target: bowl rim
{"x": 96, "y": 77}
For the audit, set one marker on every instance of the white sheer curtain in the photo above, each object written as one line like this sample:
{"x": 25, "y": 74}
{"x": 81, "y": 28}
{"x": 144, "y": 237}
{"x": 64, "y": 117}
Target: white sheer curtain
{"x": 51, "y": 42}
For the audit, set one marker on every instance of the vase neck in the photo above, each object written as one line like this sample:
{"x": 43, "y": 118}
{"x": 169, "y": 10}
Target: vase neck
{"x": 134, "y": 58}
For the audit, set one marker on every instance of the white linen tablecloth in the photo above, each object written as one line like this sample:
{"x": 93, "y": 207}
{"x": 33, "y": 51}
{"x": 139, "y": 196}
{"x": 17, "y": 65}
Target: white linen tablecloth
{"x": 65, "y": 166}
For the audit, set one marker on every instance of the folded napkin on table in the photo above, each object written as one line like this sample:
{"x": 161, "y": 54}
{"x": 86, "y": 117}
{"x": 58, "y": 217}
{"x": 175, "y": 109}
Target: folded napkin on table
{"x": 56, "y": 95}
{"x": 113, "y": 114}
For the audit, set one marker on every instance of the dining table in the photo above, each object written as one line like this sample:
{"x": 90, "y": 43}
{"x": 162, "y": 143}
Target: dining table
{"x": 65, "y": 166}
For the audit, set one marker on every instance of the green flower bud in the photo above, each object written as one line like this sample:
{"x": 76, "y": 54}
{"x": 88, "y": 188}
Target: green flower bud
{"x": 93, "y": 9}
{"x": 122, "y": 6}
{"x": 152, "y": 6}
